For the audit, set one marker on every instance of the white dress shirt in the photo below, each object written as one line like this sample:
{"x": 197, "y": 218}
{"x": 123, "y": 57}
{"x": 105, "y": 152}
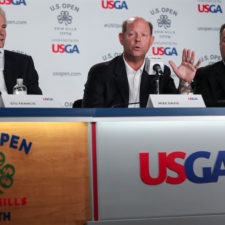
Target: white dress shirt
{"x": 134, "y": 81}
{"x": 2, "y": 80}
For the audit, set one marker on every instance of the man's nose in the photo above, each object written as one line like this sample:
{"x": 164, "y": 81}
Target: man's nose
{"x": 138, "y": 37}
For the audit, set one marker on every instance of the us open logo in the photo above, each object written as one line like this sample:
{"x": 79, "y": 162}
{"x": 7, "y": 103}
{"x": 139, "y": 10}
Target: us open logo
{"x": 8, "y": 172}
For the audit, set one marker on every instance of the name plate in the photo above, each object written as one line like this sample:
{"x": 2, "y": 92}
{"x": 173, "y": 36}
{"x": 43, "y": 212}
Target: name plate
{"x": 29, "y": 101}
{"x": 175, "y": 101}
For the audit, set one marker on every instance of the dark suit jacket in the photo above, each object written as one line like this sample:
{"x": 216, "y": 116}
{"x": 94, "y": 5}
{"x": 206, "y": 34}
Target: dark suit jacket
{"x": 210, "y": 83}
{"x": 107, "y": 85}
{"x": 20, "y": 66}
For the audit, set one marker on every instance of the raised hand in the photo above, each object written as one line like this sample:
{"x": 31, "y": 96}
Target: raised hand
{"x": 186, "y": 71}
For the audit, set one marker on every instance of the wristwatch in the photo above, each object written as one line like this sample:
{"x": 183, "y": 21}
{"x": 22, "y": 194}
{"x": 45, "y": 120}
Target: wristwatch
{"x": 185, "y": 83}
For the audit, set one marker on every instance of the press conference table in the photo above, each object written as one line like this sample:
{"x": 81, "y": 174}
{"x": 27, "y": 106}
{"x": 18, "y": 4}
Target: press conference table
{"x": 112, "y": 166}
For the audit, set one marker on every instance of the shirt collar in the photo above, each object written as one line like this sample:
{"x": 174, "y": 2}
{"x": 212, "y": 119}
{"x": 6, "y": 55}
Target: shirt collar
{"x": 1, "y": 58}
{"x": 130, "y": 70}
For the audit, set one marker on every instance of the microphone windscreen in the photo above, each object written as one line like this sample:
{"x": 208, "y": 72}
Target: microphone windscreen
{"x": 149, "y": 64}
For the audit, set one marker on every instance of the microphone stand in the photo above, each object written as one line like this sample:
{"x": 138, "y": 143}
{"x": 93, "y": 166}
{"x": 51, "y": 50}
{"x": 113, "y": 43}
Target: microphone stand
{"x": 158, "y": 70}
{"x": 157, "y": 83}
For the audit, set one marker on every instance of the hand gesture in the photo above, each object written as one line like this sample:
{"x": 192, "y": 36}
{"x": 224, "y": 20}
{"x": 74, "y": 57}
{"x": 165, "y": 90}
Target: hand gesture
{"x": 186, "y": 71}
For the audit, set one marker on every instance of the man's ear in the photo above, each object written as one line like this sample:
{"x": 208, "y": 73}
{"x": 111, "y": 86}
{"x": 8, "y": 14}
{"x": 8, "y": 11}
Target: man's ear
{"x": 152, "y": 40}
{"x": 121, "y": 38}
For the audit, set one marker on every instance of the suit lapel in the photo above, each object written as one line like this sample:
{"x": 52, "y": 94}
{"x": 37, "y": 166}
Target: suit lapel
{"x": 121, "y": 79}
{"x": 219, "y": 74}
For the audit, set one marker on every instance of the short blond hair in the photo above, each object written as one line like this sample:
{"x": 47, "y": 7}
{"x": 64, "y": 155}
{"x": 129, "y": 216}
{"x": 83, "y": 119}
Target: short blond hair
{"x": 124, "y": 24}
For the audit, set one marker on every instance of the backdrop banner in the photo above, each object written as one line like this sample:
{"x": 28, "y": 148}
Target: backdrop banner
{"x": 67, "y": 37}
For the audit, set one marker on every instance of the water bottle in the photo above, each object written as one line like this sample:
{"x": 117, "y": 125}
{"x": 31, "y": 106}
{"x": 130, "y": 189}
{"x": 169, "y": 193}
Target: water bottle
{"x": 19, "y": 88}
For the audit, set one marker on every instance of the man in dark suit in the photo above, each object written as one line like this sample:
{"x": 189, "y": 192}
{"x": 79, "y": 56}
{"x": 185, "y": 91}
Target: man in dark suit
{"x": 15, "y": 65}
{"x": 107, "y": 85}
{"x": 123, "y": 80}
{"x": 209, "y": 81}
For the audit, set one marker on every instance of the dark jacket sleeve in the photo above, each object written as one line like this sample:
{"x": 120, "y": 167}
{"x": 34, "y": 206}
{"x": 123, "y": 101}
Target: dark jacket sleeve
{"x": 31, "y": 78}
{"x": 201, "y": 85}
{"x": 94, "y": 89}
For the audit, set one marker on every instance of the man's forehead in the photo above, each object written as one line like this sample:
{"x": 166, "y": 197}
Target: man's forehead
{"x": 136, "y": 20}
{"x": 139, "y": 21}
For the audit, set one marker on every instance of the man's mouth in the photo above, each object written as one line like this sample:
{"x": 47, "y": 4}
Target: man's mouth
{"x": 137, "y": 48}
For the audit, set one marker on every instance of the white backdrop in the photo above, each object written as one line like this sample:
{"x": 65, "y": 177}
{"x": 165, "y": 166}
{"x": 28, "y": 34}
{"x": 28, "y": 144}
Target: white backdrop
{"x": 66, "y": 37}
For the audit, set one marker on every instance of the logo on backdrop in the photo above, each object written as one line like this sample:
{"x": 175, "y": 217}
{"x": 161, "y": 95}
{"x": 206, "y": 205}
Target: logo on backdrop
{"x": 13, "y": 2}
{"x": 64, "y": 34}
{"x": 207, "y": 6}
{"x": 168, "y": 51}
{"x": 112, "y": 4}
{"x": 64, "y": 17}
{"x": 164, "y": 31}
{"x": 164, "y": 21}
{"x": 186, "y": 170}
{"x": 62, "y": 48}
{"x": 113, "y": 25}
{"x": 210, "y": 59}
{"x": 64, "y": 29}
{"x": 109, "y": 56}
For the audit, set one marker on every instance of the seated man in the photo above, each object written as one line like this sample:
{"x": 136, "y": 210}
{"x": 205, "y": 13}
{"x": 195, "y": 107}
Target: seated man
{"x": 15, "y": 65}
{"x": 209, "y": 81}
{"x": 123, "y": 80}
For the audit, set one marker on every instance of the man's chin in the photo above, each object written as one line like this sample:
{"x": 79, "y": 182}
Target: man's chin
{"x": 2, "y": 44}
{"x": 139, "y": 56}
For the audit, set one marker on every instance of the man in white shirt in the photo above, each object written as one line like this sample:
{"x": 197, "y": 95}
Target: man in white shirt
{"x": 123, "y": 81}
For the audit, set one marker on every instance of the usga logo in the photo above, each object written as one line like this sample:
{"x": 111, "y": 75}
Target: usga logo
{"x": 169, "y": 51}
{"x": 48, "y": 99}
{"x": 184, "y": 171}
{"x": 61, "y": 48}
{"x": 192, "y": 98}
{"x": 206, "y": 8}
{"x": 12, "y": 2}
{"x": 110, "y": 4}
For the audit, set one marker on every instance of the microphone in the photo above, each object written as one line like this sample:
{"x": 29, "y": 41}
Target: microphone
{"x": 157, "y": 69}
{"x": 154, "y": 66}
